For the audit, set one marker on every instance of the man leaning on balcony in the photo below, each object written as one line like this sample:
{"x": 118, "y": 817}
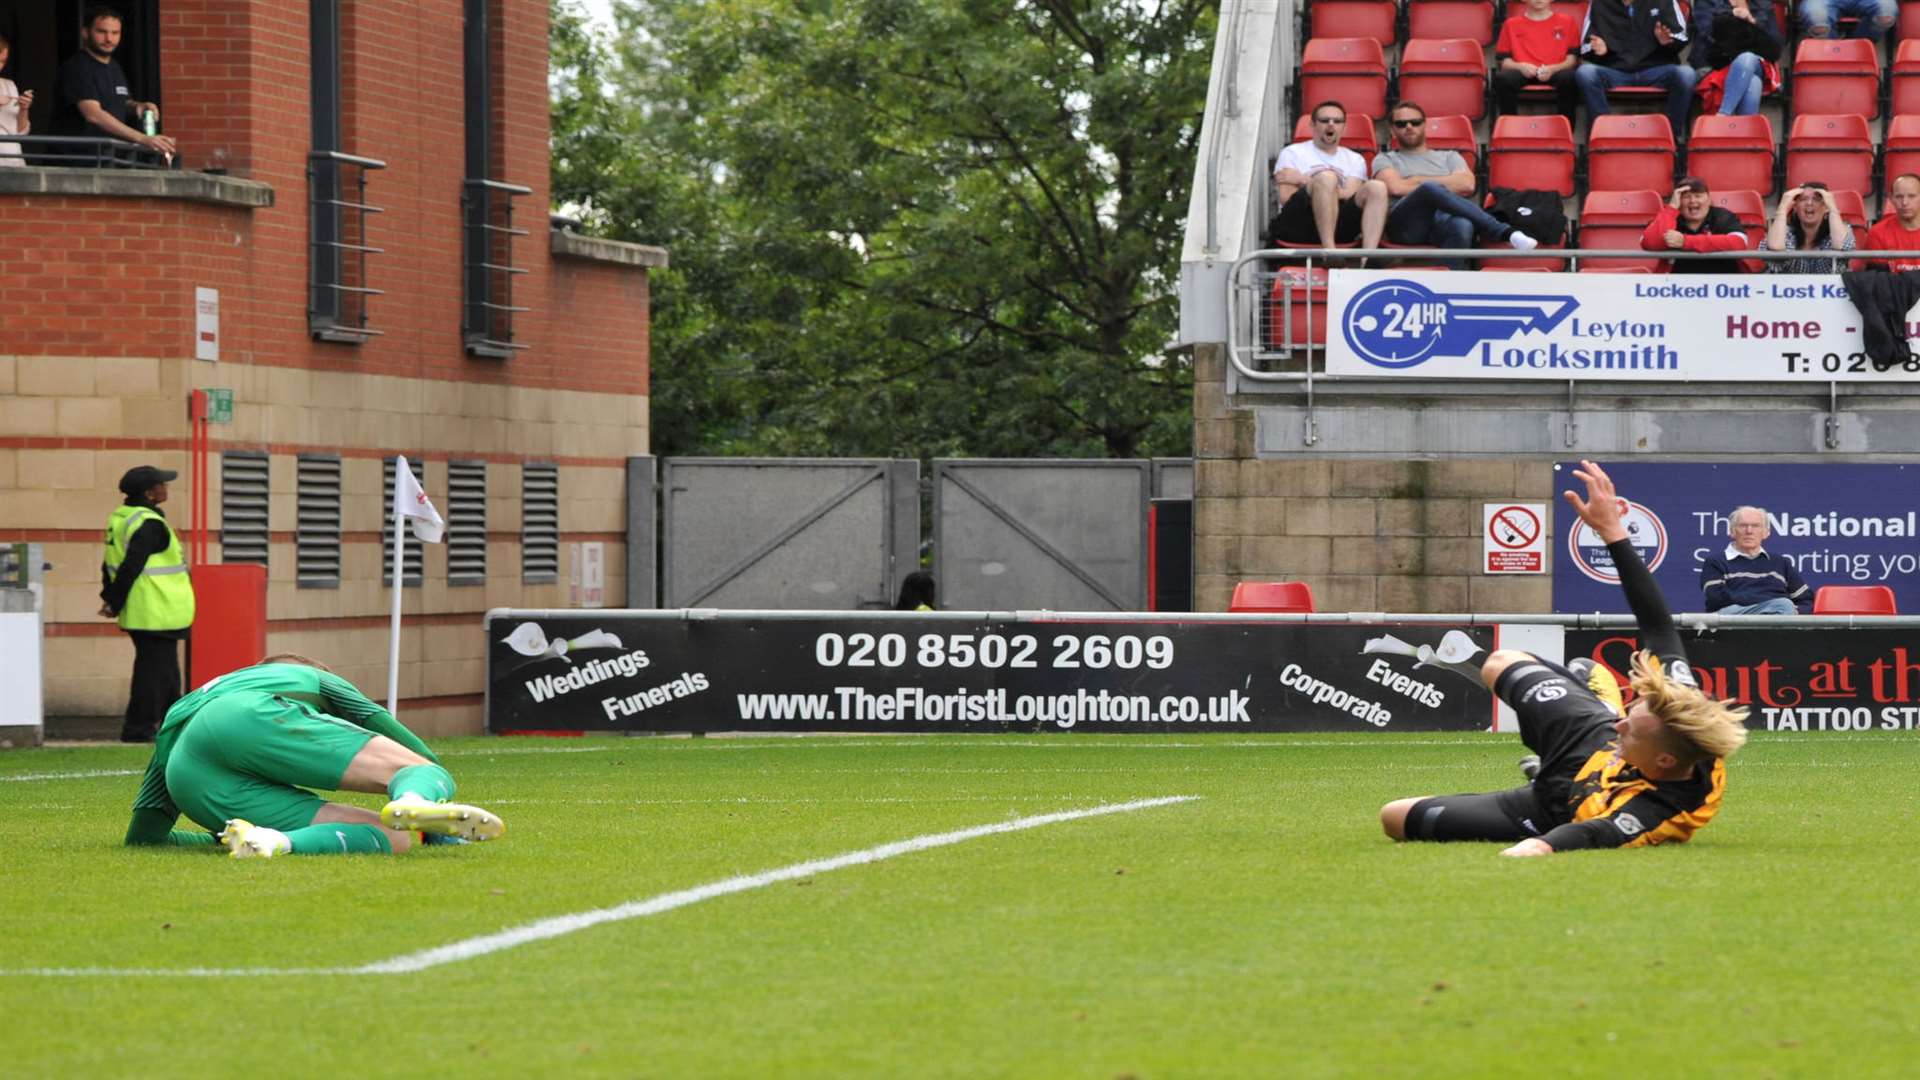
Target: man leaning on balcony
{"x": 94, "y": 100}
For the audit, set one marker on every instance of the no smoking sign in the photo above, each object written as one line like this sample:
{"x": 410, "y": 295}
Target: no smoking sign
{"x": 1515, "y": 538}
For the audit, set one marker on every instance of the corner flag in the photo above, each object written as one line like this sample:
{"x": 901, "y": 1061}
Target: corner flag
{"x": 409, "y": 501}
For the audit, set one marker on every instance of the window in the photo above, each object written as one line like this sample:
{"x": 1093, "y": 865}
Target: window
{"x": 414, "y": 570}
{"x": 243, "y": 507}
{"x": 539, "y": 524}
{"x": 486, "y": 204}
{"x": 337, "y": 248}
{"x": 316, "y": 534}
{"x": 466, "y": 523}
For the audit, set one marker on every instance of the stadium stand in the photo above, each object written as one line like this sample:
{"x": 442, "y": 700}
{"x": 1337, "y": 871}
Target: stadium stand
{"x": 1733, "y": 152}
{"x": 1352, "y": 71}
{"x": 1272, "y": 597}
{"x": 1834, "y": 76}
{"x": 1532, "y": 152}
{"x": 1854, "y": 600}
{"x": 1376, "y": 19}
{"x": 1470, "y": 19}
{"x": 1613, "y": 220}
{"x": 1447, "y": 76}
{"x": 1835, "y": 149}
{"x": 1630, "y": 152}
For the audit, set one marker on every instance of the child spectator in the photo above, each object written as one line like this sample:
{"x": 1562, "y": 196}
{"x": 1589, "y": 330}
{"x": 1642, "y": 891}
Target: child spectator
{"x": 1537, "y": 49}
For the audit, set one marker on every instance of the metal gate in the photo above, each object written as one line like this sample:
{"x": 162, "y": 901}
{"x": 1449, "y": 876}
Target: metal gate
{"x": 788, "y": 533}
{"x": 1030, "y": 535}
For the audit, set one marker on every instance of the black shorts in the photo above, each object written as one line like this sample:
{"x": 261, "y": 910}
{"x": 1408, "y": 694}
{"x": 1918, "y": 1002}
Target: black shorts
{"x": 1295, "y": 221}
{"x": 1506, "y": 816}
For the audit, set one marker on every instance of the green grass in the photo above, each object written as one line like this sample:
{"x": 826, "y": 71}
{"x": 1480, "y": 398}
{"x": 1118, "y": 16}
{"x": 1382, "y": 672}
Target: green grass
{"x": 1266, "y": 929}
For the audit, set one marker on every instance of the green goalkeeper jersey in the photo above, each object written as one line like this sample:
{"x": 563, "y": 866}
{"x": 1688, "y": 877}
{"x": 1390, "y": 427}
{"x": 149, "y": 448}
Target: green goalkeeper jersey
{"x": 154, "y": 810}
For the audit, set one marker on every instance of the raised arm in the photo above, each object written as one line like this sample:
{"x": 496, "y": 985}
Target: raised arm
{"x": 1600, "y": 509}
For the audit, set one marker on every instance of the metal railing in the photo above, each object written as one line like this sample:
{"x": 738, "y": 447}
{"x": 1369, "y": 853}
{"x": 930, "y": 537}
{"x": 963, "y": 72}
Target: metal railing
{"x": 337, "y": 248}
{"x": 84, "y": 152}
{"x": 487, "y": 254}
{"x": 1262, "y": 299}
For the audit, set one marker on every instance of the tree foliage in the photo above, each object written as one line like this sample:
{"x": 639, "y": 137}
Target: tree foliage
{"x": 897, "y": 227}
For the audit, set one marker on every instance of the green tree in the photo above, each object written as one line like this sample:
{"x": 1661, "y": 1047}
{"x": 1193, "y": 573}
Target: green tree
{"x": 897, "y": 228}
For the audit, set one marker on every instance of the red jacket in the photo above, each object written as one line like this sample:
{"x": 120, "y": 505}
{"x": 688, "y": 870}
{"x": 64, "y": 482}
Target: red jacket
{"x": 1721, "y": 231}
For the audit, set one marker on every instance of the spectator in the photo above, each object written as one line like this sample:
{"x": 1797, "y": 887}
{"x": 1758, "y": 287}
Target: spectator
{"x": 13, "y": 111}
{"x": 1739, "y": 46}
{"x": 1900, "y": 230}
{"x": 94, "y": 99}
{"x": 1434, "y": 212}
{"x": 1691, "y": 222}
{"x": 1746, "y": 580}
{"x": 1635, "y": 45}
{"x": 1536, "y": 49}
{"x": 1821, "y": 18}
{"x": 1324, "y": 191}
{"x": 1808, "y": 220}
{"x": 916, "y": 592}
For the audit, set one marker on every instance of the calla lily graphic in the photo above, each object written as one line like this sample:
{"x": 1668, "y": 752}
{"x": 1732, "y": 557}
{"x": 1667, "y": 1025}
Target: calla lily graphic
{"x": 1455, "y": 653}
{"x": 529, "y": 640}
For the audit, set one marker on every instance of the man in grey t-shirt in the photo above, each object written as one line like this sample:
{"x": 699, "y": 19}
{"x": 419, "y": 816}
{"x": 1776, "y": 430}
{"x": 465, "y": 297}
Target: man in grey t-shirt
{"x": 1430, "y": 190}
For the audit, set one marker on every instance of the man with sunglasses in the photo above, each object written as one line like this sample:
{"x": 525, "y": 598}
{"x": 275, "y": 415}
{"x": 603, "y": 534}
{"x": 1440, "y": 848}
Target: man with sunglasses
{"x": 1325, "y": 196}
{"x": 1431, "y": 192}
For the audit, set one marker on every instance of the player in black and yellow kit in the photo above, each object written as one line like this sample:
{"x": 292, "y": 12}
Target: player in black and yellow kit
{"x": 1652, "y": 776}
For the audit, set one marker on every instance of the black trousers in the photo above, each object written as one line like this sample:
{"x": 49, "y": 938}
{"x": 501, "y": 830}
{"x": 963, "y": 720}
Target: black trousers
{"x": 156, "y": 684}
{"x": 1508, "y": 83}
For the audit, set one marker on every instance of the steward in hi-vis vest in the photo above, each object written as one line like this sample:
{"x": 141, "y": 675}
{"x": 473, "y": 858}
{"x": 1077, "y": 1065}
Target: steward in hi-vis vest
{"x": 145, "y": 586}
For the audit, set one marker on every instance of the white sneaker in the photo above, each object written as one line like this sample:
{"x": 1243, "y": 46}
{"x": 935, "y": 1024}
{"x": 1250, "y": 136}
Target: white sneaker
{"x": 245, "y": 840}
{"x": 412, "y": 813}
{"x": 1520, "y": 241}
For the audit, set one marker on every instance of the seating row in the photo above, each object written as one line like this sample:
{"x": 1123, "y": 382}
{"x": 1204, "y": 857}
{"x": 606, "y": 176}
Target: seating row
{"x": 1379, "y": 20}
{"x": 1628, "y": 152}
{"x": 1449, "y": 75}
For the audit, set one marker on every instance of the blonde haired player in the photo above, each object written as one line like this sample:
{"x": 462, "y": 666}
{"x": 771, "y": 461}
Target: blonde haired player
{"x": 1652, "y": 776}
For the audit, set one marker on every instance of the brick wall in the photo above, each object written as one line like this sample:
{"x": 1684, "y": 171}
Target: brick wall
{"x": 1366, "y": 534}
{"x": 97, "y": 343}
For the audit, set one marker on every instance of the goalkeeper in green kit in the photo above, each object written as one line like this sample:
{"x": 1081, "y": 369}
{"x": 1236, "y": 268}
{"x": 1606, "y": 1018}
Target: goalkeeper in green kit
{"x": 238, "y": 755}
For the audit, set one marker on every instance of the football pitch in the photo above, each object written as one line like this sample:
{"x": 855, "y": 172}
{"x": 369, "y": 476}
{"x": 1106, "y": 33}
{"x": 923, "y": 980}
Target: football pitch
{"x": 949, "y": 906}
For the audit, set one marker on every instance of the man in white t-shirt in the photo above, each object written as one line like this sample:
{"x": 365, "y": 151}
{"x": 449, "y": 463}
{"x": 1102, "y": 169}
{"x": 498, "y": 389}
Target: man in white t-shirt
{"x": 1325, "y": 195}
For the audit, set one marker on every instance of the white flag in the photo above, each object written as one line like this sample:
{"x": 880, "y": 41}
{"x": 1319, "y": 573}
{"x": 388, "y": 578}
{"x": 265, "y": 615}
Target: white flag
{"x": 410, "y": 501}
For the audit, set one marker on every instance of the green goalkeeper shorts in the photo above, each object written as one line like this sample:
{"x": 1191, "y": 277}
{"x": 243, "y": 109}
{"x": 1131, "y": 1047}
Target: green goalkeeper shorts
{"x": 249, "y": 755}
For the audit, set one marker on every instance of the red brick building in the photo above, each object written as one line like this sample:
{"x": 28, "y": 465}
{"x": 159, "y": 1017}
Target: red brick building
{"x": 453, "y": 325}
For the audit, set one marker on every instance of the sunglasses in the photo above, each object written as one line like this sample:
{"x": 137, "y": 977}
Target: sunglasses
{"x": 1408, "y": 123}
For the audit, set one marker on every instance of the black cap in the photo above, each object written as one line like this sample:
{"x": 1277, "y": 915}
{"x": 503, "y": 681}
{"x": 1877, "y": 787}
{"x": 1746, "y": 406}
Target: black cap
{"x": 141, "y": 478}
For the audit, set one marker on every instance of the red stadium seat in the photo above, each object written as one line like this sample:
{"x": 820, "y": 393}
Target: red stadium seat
{"x": 1470, "y": 19}
{"x": 1531, "y": 152}
{"x": 1376, "y": 19}
{"x": 1454, "y": 133}
{"x": 1272, "y": 597}
{"x": 1613, "y": 221}
{"x": 1905, "y": 77}
{"x": 1629, "y": 153}
{"x": 1751, "y": 209}
{"x": 1359, "y": 136}
{"x": 1902, "y": 151}
{"x": 1734, "y": 152}
{"x": 1351, "y": 71}
{"x": 1853, "y": 209}
{"x": 1836, "y": 75}
{"x": 1909, "y": 24}
{"x": 1293, "y": 302}
{"x": 1837, "y": 150}
{"x": 1446, "y": 77}
{"x": 1852, "y": 600}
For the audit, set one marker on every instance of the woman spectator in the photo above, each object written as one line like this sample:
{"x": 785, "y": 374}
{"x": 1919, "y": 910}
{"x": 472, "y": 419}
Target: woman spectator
{"x": 13, "y": 111}
{"x": 1808, "y": 220}
{"x": 1740, "y": 45}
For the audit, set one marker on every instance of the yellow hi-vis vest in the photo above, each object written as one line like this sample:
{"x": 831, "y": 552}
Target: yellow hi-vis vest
{"x": 162, "y": 596}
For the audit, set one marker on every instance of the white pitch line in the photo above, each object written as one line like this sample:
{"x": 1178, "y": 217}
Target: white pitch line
{"x": 561, "y": 925}
{"x": 88, "y": 775}
{"x": 528, "y": 750}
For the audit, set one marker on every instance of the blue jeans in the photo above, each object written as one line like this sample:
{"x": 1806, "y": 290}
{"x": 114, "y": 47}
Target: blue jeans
{"x": 1745, "y": 86}
{"x": 1676, "y": 79}
{"x": 1826, "y": 15}
{"x": 1779, "y": 605}
{"x": 1432, "y": 216}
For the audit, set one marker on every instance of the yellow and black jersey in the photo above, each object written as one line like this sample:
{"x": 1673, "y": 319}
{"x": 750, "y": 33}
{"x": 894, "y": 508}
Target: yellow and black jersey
{"x": 1615, "y": 806}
